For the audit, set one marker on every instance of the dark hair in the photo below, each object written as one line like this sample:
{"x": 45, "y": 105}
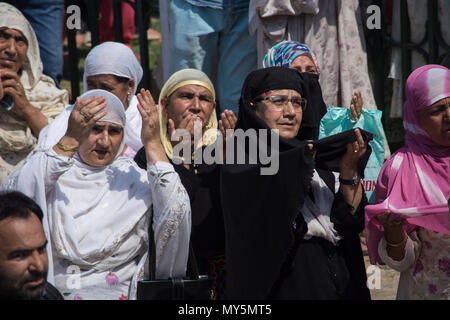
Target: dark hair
{"x": 16, "y": 204}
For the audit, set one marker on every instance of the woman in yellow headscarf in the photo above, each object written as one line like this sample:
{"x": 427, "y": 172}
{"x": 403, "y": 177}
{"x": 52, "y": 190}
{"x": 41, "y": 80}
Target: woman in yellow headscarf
{"x": 189, "y": 96}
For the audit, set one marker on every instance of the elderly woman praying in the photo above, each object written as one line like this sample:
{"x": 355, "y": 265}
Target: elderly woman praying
{"x": 97, "y": 203}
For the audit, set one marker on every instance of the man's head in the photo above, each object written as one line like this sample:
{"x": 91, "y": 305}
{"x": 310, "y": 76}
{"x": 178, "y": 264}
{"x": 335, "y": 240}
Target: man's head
{"x": 23, "y": 255}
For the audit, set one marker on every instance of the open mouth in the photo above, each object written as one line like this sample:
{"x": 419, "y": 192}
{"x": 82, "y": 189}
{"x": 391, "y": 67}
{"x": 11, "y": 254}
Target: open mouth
{"x": 102, "y": 152}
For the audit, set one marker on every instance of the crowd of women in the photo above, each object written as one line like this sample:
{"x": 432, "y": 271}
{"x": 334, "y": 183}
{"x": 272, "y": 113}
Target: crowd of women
{"x": 105, "y": 166}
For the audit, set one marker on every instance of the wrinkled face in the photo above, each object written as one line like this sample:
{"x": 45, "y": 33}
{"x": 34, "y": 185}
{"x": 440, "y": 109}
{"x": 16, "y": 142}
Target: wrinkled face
{"x": 189, "y": 99}
{"x": 13, "y": 49}
{"x": 23, "y": 257}
{"x": 287, "y": 120}
{"x": 435, "y": 121}
{"x": 304, "y": 63}
{"x": 112, "y": 84}
{"x": 102, "y": 145}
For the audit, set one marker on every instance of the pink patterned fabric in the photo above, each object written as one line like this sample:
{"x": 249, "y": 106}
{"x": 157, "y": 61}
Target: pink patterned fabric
{"x": 415, "y": 183}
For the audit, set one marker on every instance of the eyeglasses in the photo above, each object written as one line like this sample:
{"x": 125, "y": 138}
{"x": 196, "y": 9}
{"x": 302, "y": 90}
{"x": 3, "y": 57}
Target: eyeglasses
{"x": 279, "y": 102}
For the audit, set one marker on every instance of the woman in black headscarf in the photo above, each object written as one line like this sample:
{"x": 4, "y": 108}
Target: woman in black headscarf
{"x": 293, "y": 234}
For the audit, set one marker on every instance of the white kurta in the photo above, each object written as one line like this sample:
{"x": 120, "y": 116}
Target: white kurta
{"x": 97, "y": 220}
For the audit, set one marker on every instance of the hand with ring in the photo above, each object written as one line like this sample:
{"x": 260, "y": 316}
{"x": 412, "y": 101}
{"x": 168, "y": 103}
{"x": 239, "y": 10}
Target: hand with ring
{"x": 348, "y": 163}
{"x": 84, "y": 116}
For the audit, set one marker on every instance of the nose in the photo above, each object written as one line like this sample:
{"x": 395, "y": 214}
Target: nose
{"x": 103, "y": 140}
{"x": 11, "y": 48}
{"x": 195, "y": 105}
{"x": 288, "y": 109}
{"x": 38, "y": 262}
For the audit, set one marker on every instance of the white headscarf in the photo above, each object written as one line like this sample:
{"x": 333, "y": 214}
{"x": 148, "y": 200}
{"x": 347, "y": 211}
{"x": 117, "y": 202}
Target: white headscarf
{"x": 115, "y": 111}
{"x": 112, "y": 58}
{"x": 107, "y": 58}
{"x": 40, "y": 90}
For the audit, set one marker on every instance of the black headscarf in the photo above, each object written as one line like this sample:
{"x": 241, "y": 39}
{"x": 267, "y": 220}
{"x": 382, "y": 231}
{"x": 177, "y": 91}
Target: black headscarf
{"x": 304, "y": 83}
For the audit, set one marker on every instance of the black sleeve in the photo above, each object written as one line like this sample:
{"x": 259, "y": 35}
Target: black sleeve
{"x": 141, "y": 159}
{"x": 346, "y": 223}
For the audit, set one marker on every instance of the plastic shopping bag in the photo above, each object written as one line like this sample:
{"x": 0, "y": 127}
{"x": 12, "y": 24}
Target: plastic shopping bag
{"x": 337, "y": 120}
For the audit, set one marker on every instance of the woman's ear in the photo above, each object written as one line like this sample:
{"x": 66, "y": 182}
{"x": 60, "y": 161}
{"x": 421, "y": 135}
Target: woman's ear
{"x": 131, "y": 84}
{"x": 163, "y": 106}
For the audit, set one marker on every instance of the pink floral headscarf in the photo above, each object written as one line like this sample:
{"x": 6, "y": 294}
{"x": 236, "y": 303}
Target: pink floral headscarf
{"x": 414, "y": 184}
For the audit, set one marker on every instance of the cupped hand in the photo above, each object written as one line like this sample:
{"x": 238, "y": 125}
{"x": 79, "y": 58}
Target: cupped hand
{"x": 227, "y": 122}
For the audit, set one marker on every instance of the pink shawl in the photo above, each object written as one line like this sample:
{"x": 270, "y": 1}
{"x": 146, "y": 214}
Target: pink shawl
{"x": 414, "y": 184}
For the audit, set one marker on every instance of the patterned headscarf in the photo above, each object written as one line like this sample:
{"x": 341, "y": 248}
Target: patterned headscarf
{"x": 415, "y": 183}
{"x": 285, "y": 52}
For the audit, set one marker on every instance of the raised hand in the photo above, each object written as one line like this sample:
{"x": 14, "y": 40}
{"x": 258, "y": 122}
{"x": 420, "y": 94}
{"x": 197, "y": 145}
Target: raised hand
{"x": 228, "y": 121}
{"x": 150, "y": 135}
{"x": 84, "y": 116}
{"x": 348, "y": 167}
{"x": 356, "y": 105}
{"x": 348, "y": 164}
{"x": 188, "y": 124}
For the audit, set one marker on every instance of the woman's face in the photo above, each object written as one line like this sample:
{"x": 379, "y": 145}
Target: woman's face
{"x": 304, "y": 63}
{"x": 112, "y": 84}
{"x": 13, "y": 49}
{"x": 102, "y": 144}
{"x": 286, "y": 119}
{"x": 189, "y": 99}
{"x": 435, "y": 121}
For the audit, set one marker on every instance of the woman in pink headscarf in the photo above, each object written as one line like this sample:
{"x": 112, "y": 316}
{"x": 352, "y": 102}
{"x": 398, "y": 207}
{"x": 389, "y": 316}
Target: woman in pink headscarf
{"x": 409, "y": 227}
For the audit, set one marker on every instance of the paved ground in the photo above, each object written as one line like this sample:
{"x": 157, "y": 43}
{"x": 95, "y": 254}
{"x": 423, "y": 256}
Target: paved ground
{"x": 388, "y": 283}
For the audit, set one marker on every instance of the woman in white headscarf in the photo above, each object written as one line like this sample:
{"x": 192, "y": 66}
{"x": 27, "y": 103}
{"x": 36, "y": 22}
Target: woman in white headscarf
{"x": 113, "y": 67}
{"x": 36, "y": 98}
{"x": 98, "y": 203}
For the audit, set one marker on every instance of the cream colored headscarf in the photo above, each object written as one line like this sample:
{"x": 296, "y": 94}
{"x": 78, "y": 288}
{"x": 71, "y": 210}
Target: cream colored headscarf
{"x": 177, "y": 80}
{"x": 41, "y": 92}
